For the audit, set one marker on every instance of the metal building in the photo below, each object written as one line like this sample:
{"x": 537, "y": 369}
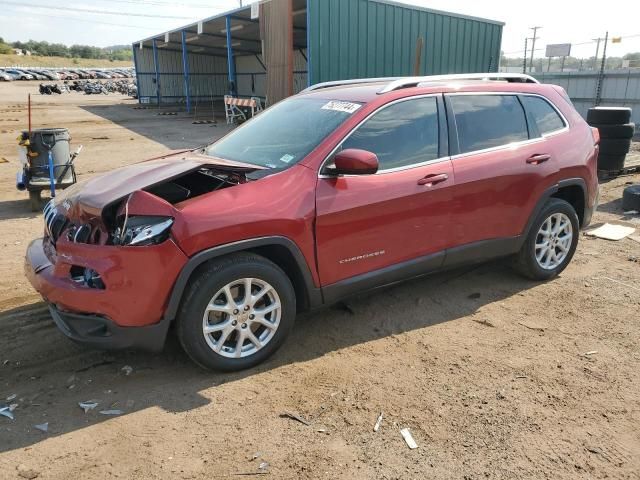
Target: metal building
{"x": 275, "y": 48}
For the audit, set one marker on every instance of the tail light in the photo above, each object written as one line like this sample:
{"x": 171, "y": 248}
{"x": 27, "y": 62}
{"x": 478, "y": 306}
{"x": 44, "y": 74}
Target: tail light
{"x": 595, "y": 133}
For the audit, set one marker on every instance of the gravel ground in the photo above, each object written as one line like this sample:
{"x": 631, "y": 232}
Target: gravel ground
{"x": 494, "y": 375}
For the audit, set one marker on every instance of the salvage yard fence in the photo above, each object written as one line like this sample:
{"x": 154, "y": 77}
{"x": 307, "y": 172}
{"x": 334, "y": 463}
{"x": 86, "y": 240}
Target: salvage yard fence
{"x": 620, "y": 88}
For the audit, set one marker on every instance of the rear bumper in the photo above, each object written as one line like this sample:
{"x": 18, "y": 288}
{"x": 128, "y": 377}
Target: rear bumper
{"x": 100, "y": 332}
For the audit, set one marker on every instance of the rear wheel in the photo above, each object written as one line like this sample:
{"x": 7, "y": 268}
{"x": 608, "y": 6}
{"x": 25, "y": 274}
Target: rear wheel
{"x": 551, "y": 242}
{"x": 237, "y": 312}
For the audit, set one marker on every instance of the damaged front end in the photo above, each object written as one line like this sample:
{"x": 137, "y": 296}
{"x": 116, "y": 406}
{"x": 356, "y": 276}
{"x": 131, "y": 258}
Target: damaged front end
{"x": 111, "y": 245}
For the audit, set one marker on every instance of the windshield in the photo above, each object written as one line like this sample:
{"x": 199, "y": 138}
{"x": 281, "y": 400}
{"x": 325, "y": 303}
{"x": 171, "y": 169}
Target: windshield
{"x": 284, "y": 134}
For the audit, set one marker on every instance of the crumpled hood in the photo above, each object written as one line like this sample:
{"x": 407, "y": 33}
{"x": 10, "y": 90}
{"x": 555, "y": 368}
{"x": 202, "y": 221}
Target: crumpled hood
{"x": 89, "y": 197}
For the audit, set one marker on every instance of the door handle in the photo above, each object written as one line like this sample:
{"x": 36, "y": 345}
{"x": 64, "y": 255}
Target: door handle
{"x": 431, "y": 180}
{"x": 538, "y": 159}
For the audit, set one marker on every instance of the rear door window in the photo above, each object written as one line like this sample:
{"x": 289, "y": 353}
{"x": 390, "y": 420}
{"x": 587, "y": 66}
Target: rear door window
{"x": 487, "y": 121}
{"x": 402, "y": 134}
{"x": 545, "y": 117}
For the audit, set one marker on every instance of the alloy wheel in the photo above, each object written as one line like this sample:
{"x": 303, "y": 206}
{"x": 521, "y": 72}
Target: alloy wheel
{"x": 553, "y": 241}
{"x": 242, "y": 318}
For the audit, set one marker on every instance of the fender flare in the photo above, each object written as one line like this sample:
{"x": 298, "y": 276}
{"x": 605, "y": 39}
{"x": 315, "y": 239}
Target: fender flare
{"x": 546, "y": 195}
{"x": 199, "y": 258}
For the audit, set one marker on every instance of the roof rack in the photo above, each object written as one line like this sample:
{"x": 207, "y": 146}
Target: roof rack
{"x": 395, "y": 83}
{"x": 414, "y": 81}
{"x": 355, "y": 81}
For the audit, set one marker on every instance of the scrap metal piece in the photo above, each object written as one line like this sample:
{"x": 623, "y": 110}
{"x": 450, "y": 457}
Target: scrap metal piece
{"x": 5, "y": 411}
{"x": 293, "y": 416}
{"x": 88, "y": 405}
{"x": 408, "y": 438}
{"x": 111, "y": 412}
{"x": 43, "y": 427}
{"x": 376, "y": 427}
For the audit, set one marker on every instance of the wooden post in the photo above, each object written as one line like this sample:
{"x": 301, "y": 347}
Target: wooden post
{"x": 416, "y": 65}
{"x": 29, "y": 113}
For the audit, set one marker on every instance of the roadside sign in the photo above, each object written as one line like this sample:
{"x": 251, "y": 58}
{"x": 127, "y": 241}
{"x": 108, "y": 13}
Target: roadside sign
{"x": 558, "y": 50}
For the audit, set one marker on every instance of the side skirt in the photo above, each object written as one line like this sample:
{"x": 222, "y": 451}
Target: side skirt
{"x": 463, "y": 255}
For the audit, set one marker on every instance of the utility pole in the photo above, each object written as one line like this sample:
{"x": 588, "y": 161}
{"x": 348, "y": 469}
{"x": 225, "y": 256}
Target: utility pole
{"x": 595, "y": 60}
{"x": 601, "y": 75}
{"x": 533, "y": 45}
{"x": 524, "y": 58}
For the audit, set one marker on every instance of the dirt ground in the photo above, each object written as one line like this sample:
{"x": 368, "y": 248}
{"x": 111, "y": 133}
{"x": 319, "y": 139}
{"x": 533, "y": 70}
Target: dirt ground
{"x": 495, "y": 376}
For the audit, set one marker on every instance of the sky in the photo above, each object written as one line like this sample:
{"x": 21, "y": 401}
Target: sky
{"x": 567, "y": 21}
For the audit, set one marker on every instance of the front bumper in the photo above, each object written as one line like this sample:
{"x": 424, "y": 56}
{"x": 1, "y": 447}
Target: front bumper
{"x": 100, "y": 332}
{"x": 128, "y": 312}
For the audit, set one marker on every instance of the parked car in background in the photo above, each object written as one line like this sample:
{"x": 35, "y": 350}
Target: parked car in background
{"x": 6, "y": 77}
{"x": 345, "y": 187}
{"x": 36, "y": 75}
{"x": 19, "y": 74}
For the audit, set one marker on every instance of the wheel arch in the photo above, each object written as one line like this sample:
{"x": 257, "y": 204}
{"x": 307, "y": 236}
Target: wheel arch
{"x": 280, "y": 250}
{"x": 574, "y": 192}
{"x": 568, "y": 190}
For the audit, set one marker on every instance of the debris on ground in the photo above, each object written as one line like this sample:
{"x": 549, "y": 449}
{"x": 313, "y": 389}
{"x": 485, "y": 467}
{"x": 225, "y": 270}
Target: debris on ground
{"x": 11, "y": 397}
{"x": 26, "y": 472}
{"x": 6, "y": 411}
{"x": 533, "y": 327}
{"x": 127, "y": 369}
{"x": 293, "y": 416}
{"x": 43, "y": 427}
{"x": 474, "y": 296}
{"x": 631, "y": 212}
{"x": 408, "y": 438}
{"x": 376, "y": 427}
{"x": 609, "y": 231}
{"x": 592, "y": 352}
{"x": 111, "y": 412}
{"x": 88, "y": 405}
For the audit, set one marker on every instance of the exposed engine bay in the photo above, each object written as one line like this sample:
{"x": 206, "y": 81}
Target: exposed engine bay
{"x": 194, "y": 184}
{"x": 145, "y": 216}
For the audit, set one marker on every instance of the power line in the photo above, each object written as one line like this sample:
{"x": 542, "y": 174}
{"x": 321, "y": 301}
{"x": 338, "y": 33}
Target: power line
{"x": 99, "y": 12}
{"x": 635, "y": 35}
{"x": 162, "y": 4}
{"x": 76, "y": 19}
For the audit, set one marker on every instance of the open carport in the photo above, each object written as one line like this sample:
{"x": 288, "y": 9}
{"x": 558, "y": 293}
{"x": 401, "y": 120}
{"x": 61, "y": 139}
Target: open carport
{"x": 276, "y": 48}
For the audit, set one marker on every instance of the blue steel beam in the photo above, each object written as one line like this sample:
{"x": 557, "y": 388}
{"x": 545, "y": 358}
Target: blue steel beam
{"x": 231, "y": 64}
{"x": 156, "y": 69}
{"x": 185, "y": 70}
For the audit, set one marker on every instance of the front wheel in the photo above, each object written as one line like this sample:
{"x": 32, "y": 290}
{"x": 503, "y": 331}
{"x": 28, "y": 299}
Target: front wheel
{"x": 237, "y": 311}
{"x": 551, "y": 242}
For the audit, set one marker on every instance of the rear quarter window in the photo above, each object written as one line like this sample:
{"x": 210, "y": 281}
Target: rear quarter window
{"x": 487, "y": 121}
{"x": 546, "y": 118}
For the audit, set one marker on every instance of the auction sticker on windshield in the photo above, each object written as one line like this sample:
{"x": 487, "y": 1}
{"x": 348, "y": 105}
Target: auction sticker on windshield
{"x": 347, "y": 107}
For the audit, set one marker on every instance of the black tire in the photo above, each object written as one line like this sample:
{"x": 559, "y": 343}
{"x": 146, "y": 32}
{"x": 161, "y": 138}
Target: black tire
{"x": 208, "y": 280}
{"x": 631, "y": 198}
{"x": 35, "y": 200}
{"x": 626, "y": 130}
{"x": 611, "y": 162}
{"x": 615, "y": 146}
{"x": 608, "y": 115}
{"x": 526, "y": 262}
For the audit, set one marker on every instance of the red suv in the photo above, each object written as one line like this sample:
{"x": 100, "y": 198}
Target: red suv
{"x": 345, "y": 187}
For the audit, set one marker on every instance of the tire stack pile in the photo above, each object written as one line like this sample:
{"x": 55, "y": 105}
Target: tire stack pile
{"x": 616, "y": 132}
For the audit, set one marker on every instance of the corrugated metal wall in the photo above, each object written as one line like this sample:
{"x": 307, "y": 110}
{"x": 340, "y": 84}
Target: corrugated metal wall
{"x": 620, "y": 88}
{"x": 207, "y": 76}
{"x": 368, "y": 38}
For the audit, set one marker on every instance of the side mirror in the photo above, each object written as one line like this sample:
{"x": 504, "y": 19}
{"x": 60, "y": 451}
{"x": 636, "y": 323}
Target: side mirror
{"x": 353, "y": 161}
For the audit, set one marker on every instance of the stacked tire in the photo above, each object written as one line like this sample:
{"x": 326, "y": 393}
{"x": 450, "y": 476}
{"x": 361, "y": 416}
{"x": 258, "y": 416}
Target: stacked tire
{"x": 616, "y": 132}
